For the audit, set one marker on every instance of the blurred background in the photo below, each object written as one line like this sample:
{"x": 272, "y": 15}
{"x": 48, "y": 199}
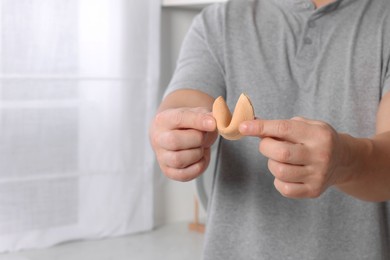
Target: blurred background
{"x": 80, "y": 81}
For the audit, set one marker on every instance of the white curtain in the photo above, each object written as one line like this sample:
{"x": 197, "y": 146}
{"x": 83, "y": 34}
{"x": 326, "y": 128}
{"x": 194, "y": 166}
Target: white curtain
{"x": 78, "y": 86}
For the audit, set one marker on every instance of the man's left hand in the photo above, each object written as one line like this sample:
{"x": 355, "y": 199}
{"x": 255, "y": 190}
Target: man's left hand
{"x": 305, "y": 156}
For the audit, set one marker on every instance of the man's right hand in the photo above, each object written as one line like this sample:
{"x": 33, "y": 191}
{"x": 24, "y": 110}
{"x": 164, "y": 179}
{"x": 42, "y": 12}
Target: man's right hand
{"x": 181, "y": 139}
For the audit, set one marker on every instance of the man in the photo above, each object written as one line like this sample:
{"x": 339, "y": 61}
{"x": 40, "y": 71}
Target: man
{"x": 312, "y": 178}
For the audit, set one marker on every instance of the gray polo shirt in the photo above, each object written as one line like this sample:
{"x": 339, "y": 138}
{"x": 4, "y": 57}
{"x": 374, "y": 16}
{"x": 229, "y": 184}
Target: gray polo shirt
{"x": 327, "y": 64}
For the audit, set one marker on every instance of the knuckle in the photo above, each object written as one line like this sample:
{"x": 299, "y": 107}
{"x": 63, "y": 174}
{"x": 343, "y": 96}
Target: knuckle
{"x": 160, "y": 118}
{"x": 262, "y": 146}
{"x": 175, "y": 160}
{"x": 199, "y": 167}
{"x": 284, "y": 154}
{"x": 178, "y": 118}
{"x": 168, "y": 172}
{"x": 325, "y": 179}
{"x": 314, "y": 192}
{"x": 154, "y": 140}
{"x": 281, "y": 170}
{"x": 283, "y": 128}
{"x": 206, "y": 153}
{"x": 201, "y": 110}
{"x": 271, "y": 166}
{"x": 326, "y": 136}
{"x": 327, "y": 143}
{"x": 283, "y": 188}
{"x": 191, "y": 173}
{"x": 164, "y": 170}
{"x": 157, "y": 142}
{"x": 175, "y": 174}
{"x": 259, "y": 128}
{"x": 185, "y": 174}
{"x": 277, "y": 169}
{"x": 205, "y": 164}
{"x": 286, "y": 191}
{"x": 325, "y": 157}
{"x": 299, "y": 118}
{"x": 172, "y": 140}
{"x": 201, "y": 153}
{"x": 323, "y": 125}
{"x": 183, "y": 177}
{"x": 161, "y": 164}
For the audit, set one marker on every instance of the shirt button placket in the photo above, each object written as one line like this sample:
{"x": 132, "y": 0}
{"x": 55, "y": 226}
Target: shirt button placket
{"x": 311, "y": 24}
{"x": 307, "y": 40}
{"x": 307, "y": 5}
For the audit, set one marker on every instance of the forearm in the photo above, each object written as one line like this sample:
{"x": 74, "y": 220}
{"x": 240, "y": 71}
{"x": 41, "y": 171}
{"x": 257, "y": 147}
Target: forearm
{"x": 186, "y": 98}
{"x": 366, "y": 167}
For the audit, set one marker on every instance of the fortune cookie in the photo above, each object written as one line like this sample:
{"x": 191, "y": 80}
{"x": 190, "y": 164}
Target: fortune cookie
{"x": 227, "y": 124}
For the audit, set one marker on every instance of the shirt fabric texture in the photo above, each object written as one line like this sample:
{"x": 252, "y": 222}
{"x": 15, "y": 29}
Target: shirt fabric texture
{"x": 291, "y": 59}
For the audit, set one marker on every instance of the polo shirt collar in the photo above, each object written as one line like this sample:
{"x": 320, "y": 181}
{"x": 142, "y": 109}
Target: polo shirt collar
{"x": 308, "y": 5}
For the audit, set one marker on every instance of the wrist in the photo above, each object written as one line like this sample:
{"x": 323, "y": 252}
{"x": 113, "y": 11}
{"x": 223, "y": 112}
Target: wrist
{"x": 354, "y": 158}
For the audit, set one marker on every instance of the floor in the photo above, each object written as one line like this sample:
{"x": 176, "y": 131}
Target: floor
{"x": 174, "y": 242}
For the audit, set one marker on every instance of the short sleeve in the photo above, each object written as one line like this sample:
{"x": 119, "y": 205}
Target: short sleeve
{"x": 386, "y": 82}
{"x": 386, "y": 86}
{"x": 200, "y": 64}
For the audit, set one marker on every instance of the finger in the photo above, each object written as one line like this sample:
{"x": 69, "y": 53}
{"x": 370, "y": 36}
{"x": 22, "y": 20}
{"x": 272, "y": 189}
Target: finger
{"x": 297, "y": 190}
{"x": 290, "y": 190}
{"x": 176, "y": 140}
{"x": 289, "y": 130}
{"x": 300, "y": 118}
{"x": 186, "y": 119}
{"x": 284, "y": 152}
{"x": 287, "y": 172}
{"x": 182, "y": 159}
{"x": 308, "y": 121}
{"x": 209, "y": 139}
{"x": 189, "y": 173}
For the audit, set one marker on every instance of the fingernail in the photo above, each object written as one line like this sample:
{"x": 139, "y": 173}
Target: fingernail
{"x": 244, "y": 127}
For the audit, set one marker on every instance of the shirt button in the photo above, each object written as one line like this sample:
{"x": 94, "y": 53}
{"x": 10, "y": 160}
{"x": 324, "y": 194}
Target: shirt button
{"x": 307, "y": 40}
{"x": 311, "y": 24}
{"x": 307, "y": 5}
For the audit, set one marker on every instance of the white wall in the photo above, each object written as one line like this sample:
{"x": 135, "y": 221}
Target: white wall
{"x": 173, "y": 200}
